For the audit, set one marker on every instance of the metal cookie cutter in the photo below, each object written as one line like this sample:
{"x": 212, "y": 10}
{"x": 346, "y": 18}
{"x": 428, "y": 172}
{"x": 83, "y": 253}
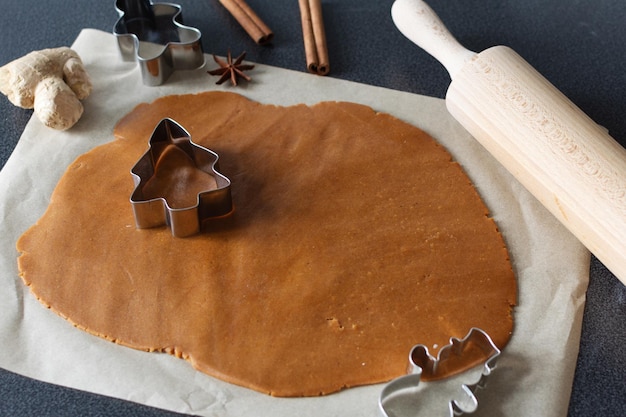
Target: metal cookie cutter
{"x": 423, "y": 363}
{"x": 154, "y": 35}
{"x": 153, "y": 212}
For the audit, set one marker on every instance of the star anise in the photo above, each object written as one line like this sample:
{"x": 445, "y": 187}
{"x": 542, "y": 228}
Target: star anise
{"x": 231, "y": 69}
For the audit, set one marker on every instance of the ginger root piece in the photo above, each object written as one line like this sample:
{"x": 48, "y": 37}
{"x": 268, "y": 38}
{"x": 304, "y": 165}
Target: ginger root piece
{"x": 52, "y": 81}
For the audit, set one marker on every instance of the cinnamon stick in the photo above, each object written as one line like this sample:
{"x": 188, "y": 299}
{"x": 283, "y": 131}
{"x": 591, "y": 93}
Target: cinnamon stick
{"x": 314, "y": 36}
{"x": 248, "y": 19}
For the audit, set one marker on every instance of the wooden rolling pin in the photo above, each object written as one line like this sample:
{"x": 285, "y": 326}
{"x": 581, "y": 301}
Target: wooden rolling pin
{"x": 553, "y": 148}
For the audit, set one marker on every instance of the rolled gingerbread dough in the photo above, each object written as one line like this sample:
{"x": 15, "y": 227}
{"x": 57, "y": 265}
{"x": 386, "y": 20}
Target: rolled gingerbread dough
{"x": 354, "y": 237}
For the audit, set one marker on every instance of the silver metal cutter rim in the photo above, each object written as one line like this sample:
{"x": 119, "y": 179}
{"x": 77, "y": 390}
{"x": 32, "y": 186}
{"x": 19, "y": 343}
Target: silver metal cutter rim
{"x": 183, "y": 54}
{"x": 412, "y": 379}
{"x": 156, "y": 212}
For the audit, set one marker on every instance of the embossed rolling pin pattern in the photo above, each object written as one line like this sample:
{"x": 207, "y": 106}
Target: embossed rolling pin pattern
{"x": 568, "y": 162}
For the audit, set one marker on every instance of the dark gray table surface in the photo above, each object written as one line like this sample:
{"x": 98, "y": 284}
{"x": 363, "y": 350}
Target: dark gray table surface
{"x": 580, "y": 46}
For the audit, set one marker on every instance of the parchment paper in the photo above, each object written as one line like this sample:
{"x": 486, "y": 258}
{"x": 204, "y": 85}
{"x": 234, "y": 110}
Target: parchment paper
{"x": 534, "y": 374}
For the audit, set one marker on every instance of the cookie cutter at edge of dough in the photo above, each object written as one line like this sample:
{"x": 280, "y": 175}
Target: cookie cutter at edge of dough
{"x": 156, "y": 211}
{"x": 420, "y": 361}
{"x": 157, "y": 26}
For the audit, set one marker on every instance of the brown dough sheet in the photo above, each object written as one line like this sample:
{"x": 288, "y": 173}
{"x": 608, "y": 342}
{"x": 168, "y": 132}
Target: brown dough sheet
{"x": 177, "y": 179}
{"x": 354, "y": 237}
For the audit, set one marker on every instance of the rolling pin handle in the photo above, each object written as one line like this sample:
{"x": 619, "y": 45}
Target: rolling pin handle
{"x": 418, "y": 22}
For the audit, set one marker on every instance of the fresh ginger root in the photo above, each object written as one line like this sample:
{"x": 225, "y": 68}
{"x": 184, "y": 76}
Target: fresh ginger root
{"x": 52, "y": 81}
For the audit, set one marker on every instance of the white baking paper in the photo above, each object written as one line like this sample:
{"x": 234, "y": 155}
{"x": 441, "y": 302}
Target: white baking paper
{"x": 534, "y": 374}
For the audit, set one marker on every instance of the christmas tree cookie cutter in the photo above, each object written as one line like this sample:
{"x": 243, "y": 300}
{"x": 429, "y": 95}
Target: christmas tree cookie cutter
{"x": 154, "y": 35}
{"x": 422, "y": 363}
{"x": 152, "y": 212}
